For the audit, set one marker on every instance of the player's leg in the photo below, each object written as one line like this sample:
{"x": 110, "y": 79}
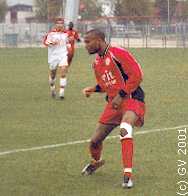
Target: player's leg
{"x": 52, "y": 79}
{"x": 133, "y": 115}
{"x": 126, "y": 137}
{"x": 62, "y": 81}
{"x": 63, "y": 65}
{"x": 70, "y": 57}
{"x": 70, "y": 54}
{"x": 95, "y": 147}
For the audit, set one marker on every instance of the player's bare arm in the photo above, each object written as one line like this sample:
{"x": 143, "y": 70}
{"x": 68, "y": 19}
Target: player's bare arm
{"x": 90, "y": 90}
{"x": 116, "y": 102}
{"x": 118, "y": 99}
{"x": 53, "y": 43}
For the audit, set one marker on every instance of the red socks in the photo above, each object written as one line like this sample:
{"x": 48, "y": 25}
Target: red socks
{"x": 127, "y": 155}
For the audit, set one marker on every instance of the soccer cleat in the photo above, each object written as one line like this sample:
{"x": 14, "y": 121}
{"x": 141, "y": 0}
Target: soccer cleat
{"x": 53, "y": 92}
{"x": 92, "y": 167}
{"x": 127, "y": 182}
{"x": 61, "y": 97}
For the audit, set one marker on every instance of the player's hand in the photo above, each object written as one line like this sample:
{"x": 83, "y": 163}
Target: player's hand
{"x": 88, "y": 91}
{"x": 54, "y": 43}
{"x": 116, "y": 102}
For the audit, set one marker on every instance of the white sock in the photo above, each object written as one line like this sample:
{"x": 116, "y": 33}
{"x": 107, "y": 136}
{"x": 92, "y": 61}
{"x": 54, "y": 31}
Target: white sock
{"x": 61, "y": 92}
{"x": 63, "y": 82}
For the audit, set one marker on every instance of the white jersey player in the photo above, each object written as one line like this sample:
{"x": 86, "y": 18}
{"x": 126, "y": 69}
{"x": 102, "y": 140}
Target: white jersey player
{"x": 57, "y": 42}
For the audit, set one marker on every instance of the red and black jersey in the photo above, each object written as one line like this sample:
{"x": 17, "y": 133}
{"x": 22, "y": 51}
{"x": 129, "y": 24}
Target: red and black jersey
{"x": 72, "y": 35}
{"x": 118, "y": 70}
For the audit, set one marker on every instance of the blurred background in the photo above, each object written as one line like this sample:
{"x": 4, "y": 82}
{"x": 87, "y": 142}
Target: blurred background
{"x": 129, "y": 23}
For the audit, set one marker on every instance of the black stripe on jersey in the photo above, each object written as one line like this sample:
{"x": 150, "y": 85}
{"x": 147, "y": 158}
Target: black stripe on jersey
{"x": 124, "y": 75}
{"x": 105, "y": 51}
{"x": 138, "y": 93}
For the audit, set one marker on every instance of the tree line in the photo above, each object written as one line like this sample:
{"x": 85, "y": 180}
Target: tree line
{"x": 91, "y": 9}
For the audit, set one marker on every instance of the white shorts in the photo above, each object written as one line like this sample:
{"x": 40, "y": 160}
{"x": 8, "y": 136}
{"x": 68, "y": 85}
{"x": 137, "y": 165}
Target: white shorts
{"x": 55, "y": 62}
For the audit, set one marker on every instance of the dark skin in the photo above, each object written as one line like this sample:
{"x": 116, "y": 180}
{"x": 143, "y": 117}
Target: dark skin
{"x": 95, "y": 44}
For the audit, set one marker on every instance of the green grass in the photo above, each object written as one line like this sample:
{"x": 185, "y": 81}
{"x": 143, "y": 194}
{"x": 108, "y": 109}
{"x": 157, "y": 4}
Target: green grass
{"x": 29, "y": 118}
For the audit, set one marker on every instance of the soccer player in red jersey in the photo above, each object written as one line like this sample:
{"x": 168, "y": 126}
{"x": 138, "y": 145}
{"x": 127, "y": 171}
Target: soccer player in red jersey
{"x": 73, "y": 36}
{"x": 118, "y": 75}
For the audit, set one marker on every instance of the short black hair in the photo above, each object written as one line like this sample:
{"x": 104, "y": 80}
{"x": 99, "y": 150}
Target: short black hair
{"x": 97, "y": 33}
{"x": 71, "y": 23}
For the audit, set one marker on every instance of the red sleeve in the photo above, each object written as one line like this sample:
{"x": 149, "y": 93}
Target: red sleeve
{"x": 45, "y": 40}
{"x": 130, "y": 67}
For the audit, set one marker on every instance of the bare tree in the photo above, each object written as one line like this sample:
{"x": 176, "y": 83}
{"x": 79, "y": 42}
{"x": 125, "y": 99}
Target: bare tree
{"x": 47, "y": 10}
{"x": 90, "y": 9}
{"x": 3, "y": 10}
{"x": 133, "y": 7}
{"x": 162, "y": 5}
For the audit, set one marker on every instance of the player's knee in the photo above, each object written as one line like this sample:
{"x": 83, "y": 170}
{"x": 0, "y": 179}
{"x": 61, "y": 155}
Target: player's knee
{"x": 130, "y": 117}
{"x": 63, "y": 71}
{"x": 53, "y": 75}
{"x": 94, "y": 144}
{"x": 126, "y": 130}
{"x": 52, "y": 81}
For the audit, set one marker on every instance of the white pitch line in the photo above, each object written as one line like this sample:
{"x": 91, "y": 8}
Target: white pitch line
{"x": 85, "y": 141}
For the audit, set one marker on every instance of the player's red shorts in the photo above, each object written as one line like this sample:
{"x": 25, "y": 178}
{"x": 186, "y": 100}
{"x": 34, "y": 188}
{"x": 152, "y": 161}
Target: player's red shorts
{"x": 114, "y": 116}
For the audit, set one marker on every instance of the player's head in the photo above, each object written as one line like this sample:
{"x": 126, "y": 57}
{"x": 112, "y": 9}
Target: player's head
{"x": 59, "y": 24}
{"x": 94, "y": 41}
{"x": 71, "y": 25}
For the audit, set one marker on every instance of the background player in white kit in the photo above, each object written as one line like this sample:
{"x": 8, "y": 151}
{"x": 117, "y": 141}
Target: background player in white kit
{"x": 57, "y": 42}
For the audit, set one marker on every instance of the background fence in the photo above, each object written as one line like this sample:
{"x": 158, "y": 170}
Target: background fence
{"x": 22, "y": 35}
{"x": 127, "y": 35}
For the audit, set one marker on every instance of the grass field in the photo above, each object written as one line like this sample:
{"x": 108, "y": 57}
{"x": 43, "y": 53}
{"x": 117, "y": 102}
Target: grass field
{"x": 30, "y": 118}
